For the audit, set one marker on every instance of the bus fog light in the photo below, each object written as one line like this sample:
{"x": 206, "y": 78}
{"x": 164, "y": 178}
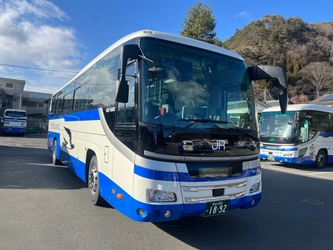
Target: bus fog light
{"x": 155, "y": 195}
{"x": 167, "y": 214}
{"x": 140, "y": 211}
{"x": 254, "y": 187}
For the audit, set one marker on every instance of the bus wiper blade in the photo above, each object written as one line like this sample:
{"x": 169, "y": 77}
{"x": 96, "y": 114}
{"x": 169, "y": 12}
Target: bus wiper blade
{"x": 203, "y": 120}
{"x": 266, "y": 134}
{"x": 183, "y": 128}
{"x": 194, "y": 121}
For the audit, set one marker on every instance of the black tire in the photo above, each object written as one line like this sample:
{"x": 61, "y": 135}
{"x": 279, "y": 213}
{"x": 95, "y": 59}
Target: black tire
{"x": 321, "y": 159}
{"x": 55, "y": 160}
{"x": 93, "y": 182}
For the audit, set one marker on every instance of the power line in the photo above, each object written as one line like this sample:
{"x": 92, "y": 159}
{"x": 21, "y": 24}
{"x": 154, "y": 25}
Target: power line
{"x": 7, "y": 72}
{"x": 54, "y": 70}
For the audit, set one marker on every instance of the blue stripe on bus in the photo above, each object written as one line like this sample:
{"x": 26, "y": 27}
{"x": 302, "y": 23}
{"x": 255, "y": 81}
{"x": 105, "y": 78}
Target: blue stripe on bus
{"x": 78, "y": 167}
{"x": 154, "y": 212}
{"x": 279, "y": 149}
{"x": 185, "y": 177}
{"x": 156, "y": 174}
{"x": 13, "y": 130}
{"x": 330, "y": 134}
{"x": 306, "y": 160}
{"x": 87, "y": 115}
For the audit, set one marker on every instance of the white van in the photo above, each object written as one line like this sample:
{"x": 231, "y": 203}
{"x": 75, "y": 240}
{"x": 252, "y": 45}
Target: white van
{"x": 188, "y": 146}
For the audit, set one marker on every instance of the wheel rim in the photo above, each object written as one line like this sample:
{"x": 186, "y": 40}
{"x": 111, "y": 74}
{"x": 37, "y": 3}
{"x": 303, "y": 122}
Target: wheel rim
{"x": 320, "y": 160}
{"x": 93, "y": 179}
{"x": 54, "y": 153}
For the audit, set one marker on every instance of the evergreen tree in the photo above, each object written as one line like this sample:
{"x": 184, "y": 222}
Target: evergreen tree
{"x": 200, "y": 23}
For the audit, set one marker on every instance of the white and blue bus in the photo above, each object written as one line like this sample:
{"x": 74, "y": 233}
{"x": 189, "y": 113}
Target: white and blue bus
{"x": 303, "y": 135}
{"x": 121, "y": 123}
{"x": 14, "y": 122}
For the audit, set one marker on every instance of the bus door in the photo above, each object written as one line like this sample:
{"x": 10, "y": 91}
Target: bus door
{"x": 125, "y": 131}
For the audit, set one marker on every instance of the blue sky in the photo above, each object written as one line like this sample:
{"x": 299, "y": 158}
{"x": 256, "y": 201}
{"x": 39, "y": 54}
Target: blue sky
{"x": 58, "y": 37}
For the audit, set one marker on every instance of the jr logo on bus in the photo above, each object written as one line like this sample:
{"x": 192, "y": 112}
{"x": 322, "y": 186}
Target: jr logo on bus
{"x": 271, "y": 139}
{"x": 219, "y": 145}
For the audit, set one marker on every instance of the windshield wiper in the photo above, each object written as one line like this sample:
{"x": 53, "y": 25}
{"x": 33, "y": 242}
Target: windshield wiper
{"x": 266, "y": 134}
{"x": 203, "y": 120}
{"x": 183, "y": 128}
{"x": 194, "y": 121}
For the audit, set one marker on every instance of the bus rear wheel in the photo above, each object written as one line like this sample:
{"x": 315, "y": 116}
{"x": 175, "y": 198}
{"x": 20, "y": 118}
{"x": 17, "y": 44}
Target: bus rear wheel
{"x": 321, "y": 159}
{"x": 93, "y": 182}
{"x": 55, "y": 160}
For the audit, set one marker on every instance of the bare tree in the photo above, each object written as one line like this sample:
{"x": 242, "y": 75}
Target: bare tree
{"x": 320, "y": 74}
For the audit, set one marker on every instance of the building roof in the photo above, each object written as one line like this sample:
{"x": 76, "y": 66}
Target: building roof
{"x": 326, "y": 99}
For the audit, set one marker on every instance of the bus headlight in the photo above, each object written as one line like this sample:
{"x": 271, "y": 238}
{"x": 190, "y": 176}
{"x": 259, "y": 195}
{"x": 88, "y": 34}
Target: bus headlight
{"x": 255, "y": 187}
{"x": 155, "y": 195}
{"x": 302, "y": 152}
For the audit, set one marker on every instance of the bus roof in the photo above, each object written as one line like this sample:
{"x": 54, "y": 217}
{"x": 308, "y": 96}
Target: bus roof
{"x": 164, "y": 36}
{"x": 18, "y": 110}
{"x": 299, "y": 107}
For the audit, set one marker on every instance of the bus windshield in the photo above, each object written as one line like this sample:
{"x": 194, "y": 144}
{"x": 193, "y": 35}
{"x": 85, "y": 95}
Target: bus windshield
{"x": 15, "y": 113}
{"x": 277, "y": 124}
{"x": 181, "y": 84}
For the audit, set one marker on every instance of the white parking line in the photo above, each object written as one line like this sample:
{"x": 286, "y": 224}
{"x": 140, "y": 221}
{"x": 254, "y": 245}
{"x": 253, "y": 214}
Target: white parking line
{"x": 327, "y": 175}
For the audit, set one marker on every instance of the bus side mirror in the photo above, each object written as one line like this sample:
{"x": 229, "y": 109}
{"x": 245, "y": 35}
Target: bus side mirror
{"x": 283, "y": 101}
{"x": 129, "y": 51}
{"x": 264, "y": 72}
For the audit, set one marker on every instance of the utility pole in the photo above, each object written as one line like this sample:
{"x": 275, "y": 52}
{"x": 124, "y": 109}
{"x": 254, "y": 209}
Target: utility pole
{"x": 20, "y": 100}
{"x": 331, "y": 56}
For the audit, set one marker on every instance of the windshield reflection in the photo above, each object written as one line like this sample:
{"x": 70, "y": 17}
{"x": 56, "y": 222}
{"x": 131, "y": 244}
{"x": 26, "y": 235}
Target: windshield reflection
{"x": 277, "y": 124}
{"x": 194, "y": 86}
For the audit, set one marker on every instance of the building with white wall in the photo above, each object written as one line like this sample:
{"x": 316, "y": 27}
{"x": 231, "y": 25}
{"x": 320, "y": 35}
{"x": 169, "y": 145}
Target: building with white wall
{"x": 12, "y": 95}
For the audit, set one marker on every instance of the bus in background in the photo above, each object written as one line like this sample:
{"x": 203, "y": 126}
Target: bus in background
{"x": 121, "y": 123}
{"x": 303, "y": 135}
{"x": 14, "y": 122}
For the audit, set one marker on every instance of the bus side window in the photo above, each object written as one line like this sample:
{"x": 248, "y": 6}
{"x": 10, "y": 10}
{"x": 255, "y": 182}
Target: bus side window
{"x": 312, "y": 133}
{"x": 304, "y": 131}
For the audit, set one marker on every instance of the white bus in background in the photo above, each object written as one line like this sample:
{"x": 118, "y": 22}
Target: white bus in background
{"x": 115, "y": 126}
{"x": 14, "y": 122}
{"x": 303, "y": 135}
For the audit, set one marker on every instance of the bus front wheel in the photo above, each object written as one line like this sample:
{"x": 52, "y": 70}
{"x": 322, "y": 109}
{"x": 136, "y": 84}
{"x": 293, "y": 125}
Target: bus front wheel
{"x": 93, "y": 182}
{"x": 321, "y": 159}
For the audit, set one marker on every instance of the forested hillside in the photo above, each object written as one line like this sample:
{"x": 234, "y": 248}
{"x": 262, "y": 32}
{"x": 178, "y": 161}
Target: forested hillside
{"x": 299, "y": 47}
